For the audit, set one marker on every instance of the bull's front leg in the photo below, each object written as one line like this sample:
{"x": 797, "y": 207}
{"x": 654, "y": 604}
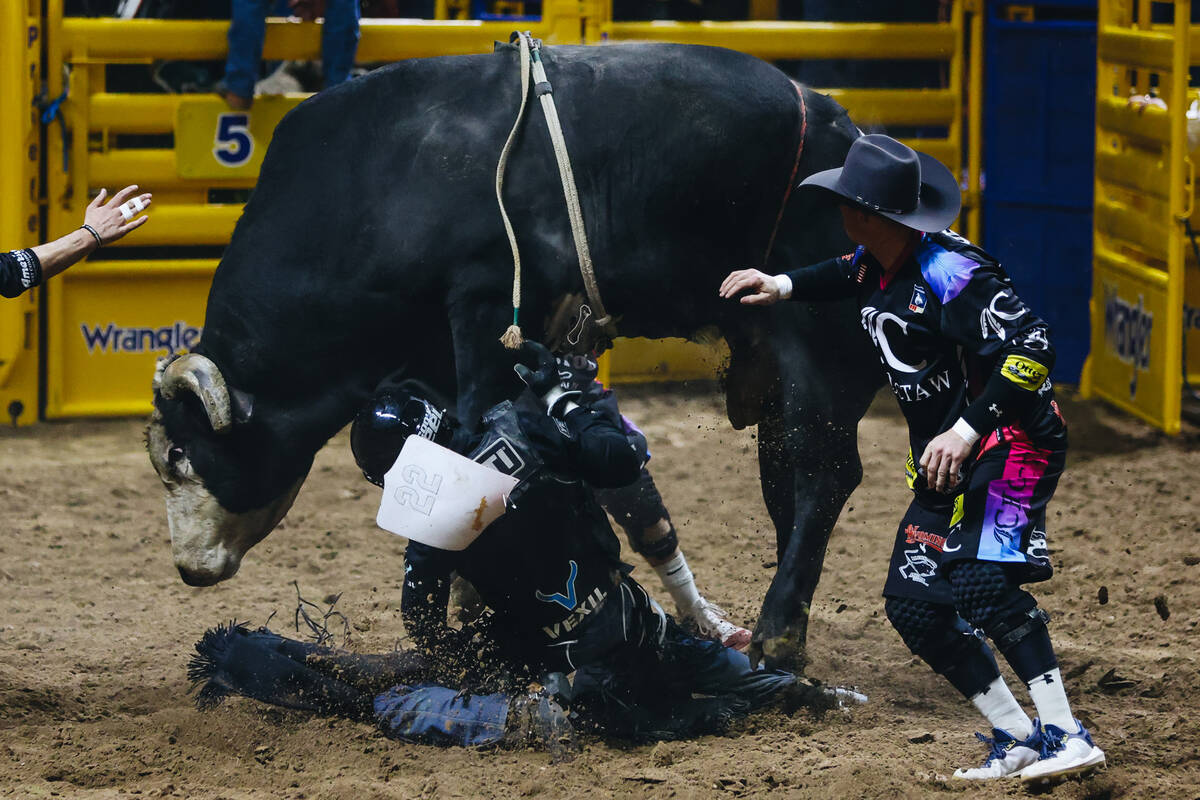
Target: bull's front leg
{"x": 809, "y": 463}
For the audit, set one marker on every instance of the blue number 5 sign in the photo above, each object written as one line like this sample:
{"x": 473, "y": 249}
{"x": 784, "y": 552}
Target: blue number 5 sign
{"x": 234, "y": 145}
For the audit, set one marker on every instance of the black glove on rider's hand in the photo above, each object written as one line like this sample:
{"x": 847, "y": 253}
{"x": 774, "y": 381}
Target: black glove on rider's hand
{"x": 577, "y": 372}
{"x": 536, "y": 366}
{"x": 538, "y": 369}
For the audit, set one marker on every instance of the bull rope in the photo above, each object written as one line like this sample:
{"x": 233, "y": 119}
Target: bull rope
{"x": 531, "y": 63}
{"x": 512, "y": 337}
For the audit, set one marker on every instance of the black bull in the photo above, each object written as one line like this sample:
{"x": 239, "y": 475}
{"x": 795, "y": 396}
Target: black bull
{"x": 373, "y": 242}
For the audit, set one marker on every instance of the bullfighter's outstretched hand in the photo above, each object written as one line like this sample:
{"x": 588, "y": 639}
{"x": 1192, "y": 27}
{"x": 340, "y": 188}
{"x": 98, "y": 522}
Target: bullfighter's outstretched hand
{"x": 762, "y": 289}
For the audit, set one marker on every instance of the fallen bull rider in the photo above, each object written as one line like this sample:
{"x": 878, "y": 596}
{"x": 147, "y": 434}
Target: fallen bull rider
{"x": 546, "y": 564}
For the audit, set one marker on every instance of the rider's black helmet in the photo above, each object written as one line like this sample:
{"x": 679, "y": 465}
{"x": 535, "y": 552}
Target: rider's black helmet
{"x": 385, "y": 423}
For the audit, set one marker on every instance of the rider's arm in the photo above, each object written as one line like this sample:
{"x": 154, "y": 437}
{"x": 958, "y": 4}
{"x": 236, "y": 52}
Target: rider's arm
{"x": 989, "y": 320}
{"x": 604, "y": 453}
{"x": 588, "y": 442}
{"x": 426, "y": 594}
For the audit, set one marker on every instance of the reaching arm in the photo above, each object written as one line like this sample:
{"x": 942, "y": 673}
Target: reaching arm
{"x": 833, "y": 279}
{"x": 102, "y": 223}
{"x": 604, "y": 454}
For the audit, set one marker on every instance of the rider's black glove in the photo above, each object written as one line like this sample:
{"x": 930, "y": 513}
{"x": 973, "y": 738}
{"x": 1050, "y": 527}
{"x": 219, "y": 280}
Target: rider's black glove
{"x": 576, "y": 372}
{"x": 538, "y": 369}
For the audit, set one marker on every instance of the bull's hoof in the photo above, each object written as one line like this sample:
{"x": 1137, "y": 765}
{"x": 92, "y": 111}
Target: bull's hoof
{"x": 781, "y": 645}
{"x": 786, "y": 652}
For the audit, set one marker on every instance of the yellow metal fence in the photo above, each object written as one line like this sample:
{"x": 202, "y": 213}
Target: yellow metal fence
{"x": 1144, "y": 193}
{"x": 20, "y": 154}
{"x": 108, "y": 320}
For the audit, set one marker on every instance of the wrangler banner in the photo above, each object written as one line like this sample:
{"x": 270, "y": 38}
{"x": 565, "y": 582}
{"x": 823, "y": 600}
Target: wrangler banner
{"x": 1144, "y": 197}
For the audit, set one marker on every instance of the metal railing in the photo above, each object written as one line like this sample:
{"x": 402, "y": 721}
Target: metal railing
{"x": 1144, "y": 198}
{"x": 20, "y": 156}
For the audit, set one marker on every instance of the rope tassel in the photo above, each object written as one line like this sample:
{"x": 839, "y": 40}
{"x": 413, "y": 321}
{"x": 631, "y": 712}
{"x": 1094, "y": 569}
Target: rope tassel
{"x": 512, "y": 337}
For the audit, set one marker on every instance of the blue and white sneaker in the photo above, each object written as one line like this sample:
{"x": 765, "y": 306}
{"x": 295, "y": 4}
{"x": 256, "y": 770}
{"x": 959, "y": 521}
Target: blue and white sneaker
{"x": 1064, "y": 755}
{"x": 1007, "y": 755}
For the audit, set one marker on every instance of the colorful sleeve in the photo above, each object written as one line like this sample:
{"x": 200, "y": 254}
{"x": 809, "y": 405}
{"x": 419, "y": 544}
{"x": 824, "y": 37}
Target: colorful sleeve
{"x": 988, "y": 319}
{"x": 19, "y": 270}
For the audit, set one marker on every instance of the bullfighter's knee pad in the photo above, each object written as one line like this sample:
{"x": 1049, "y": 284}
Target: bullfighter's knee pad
{"x": 1008, "y": 614}
{"x": 660, "y": 549}
{"x": 939, "y": 637}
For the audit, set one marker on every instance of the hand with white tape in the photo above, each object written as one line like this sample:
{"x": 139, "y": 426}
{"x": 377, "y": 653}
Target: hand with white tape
{"x": 108, "y": 222}
{"x": 102, "y": 223}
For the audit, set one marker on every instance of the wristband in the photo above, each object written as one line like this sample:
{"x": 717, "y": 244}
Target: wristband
{"x": 965, "y": 431}
{"x": 784, "y": 284}
{"x": 31, "y": 267}
{"x": 92, "y": 231}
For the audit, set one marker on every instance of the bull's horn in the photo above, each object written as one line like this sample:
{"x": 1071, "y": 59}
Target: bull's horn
{"x": 194, "y": 373}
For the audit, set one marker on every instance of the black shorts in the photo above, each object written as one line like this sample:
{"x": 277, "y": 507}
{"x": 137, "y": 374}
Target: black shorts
{"x": 1000, "y": 517}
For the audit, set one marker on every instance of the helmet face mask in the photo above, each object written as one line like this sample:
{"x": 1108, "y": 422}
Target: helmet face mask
{"x": 382, "y": 427}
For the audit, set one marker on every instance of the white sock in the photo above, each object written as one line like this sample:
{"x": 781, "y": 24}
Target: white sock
{"x": 1002, "y": 710}
{"x": 1050, "y": 697}
{"x": 679, "y": 582}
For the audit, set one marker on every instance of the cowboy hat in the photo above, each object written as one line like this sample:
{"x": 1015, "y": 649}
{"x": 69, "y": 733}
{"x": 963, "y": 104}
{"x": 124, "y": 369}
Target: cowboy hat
{"x": 891, "y": 179}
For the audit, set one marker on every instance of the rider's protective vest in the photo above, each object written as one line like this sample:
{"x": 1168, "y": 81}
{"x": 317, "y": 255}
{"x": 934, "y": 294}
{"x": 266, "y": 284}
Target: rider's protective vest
{"x": 552, "y": 559}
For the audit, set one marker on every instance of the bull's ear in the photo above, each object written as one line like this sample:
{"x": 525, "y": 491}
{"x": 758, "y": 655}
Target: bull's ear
{"x": 159, "y": 367}
{"x": 243, "y": 405}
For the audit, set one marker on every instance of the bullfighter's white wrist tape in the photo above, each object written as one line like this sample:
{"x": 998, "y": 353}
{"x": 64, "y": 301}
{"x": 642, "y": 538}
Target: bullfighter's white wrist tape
{"x": 131, "y": 207}
{"x": 964, "y": 429}
{"x": 785, "y": 286}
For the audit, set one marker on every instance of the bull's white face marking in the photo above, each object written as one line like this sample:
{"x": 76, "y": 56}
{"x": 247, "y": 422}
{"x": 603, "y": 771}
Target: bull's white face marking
{"x": 207, "y": 541}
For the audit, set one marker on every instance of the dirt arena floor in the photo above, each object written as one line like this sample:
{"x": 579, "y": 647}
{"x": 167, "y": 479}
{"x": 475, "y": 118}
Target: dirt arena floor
{"x": 96, "y": 630}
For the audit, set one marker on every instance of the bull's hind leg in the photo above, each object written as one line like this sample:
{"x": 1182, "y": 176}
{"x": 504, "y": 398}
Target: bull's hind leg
{"x": 809, "y": 465}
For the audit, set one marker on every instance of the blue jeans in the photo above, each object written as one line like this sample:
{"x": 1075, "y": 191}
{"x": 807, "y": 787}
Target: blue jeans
{"x": 432, "y": 714}
{"x": 339, "y": 42}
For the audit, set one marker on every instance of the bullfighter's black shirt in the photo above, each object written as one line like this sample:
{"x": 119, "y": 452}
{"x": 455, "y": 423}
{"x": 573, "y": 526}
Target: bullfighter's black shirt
{"x": 954, "y": 340}
{"x": 19, "y": 270}
{"x": 552, "y": 558}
